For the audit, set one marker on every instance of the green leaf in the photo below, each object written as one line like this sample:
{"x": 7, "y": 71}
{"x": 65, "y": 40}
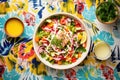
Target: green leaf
{"x": 80, "y": 49}
{"x": 42, "y": 34}
{"x": 72, "y": 23}
{"x": 58, "y": 17}
{"x": 73, "y": 29}
{"x": 110, "y": 1}
{"x": 43, "y": 55}
{"x": 52, "y": 61}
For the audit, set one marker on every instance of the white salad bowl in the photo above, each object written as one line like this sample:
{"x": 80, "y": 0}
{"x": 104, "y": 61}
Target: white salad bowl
{"x": 62, "y": 66}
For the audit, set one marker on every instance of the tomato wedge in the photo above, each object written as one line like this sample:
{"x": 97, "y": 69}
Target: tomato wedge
{"x": 73, "y": 59}
{"x": 63, "y": 21}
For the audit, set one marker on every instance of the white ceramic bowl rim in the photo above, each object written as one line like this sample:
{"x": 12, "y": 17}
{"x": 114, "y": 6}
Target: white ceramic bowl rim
{"x": 56, "y": 66}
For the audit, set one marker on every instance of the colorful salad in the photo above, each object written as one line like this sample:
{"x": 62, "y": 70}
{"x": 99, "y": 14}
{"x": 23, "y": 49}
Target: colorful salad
{"x": 61, "y": 40}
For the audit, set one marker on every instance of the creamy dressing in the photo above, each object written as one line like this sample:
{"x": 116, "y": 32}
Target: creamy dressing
{"x": 102, "y": 51}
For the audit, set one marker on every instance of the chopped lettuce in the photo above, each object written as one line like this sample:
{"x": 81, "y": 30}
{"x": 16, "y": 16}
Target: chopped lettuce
{"x": 42, "y": 34}
{"x": 72, "y": 28}
{"x": 43, "y": 54}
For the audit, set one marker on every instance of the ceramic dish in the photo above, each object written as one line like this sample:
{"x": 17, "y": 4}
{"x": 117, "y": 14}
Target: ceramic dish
{"x": 102, "y": 50}
{"x": 107, "y": 13}
{"x": 14, "y": 27}
{"x": 61, "y": 41}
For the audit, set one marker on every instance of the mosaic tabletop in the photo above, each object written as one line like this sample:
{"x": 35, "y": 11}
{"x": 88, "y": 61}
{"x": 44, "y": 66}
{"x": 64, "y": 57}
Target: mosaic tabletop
{"x": 14, "y": 66}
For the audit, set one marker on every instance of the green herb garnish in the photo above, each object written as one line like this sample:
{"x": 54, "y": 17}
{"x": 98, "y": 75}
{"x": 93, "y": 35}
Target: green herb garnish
{"x": 56, "y": 17}
{"x": 57, "y": 42}
{"x": 72, "y": 23}
{"x": 106, "y": 11}
{"x": 80, "y": 49}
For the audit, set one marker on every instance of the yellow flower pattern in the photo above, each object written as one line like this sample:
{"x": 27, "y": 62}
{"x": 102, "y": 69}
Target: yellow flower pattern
{"x": 21, "y": 62}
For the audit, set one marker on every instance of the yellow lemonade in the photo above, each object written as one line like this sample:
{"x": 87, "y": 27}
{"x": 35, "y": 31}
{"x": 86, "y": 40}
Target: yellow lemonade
{"x": 14, "y": 27}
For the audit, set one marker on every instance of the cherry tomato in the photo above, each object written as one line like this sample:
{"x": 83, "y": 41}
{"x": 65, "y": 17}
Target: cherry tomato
{"x": 73, "y": 59}
{"x": 63, "y": 21}
{"x": 77, "y": 24}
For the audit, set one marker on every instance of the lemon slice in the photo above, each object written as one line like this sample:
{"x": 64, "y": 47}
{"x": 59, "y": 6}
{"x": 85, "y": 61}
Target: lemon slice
{"x": 84, "y": 37}
{"x": 79, "y": 36}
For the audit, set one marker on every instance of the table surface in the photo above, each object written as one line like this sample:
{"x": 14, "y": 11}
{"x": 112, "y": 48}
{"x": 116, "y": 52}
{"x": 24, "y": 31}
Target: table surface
{"x": 16, "y": 67}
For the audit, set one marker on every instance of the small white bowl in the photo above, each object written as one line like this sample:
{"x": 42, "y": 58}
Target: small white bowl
{"x": 56, "y": 66}
{"x": 102, "y": 50}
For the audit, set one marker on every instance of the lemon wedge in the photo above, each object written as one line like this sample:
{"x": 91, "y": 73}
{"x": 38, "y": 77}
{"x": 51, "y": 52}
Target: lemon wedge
{"x": 84, "y": 37}
{"x": 79, "y": 36}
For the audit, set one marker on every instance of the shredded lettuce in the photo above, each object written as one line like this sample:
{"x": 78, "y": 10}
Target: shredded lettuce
{"x": 42, "y": 34}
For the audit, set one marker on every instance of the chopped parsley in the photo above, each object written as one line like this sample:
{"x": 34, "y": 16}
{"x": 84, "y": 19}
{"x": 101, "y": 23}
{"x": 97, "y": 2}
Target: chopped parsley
{"x": 106, "y": 11}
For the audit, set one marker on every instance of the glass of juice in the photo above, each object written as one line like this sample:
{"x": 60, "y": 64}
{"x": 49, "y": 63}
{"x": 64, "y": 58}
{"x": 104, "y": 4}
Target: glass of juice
{"x": 14, "y": 27}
